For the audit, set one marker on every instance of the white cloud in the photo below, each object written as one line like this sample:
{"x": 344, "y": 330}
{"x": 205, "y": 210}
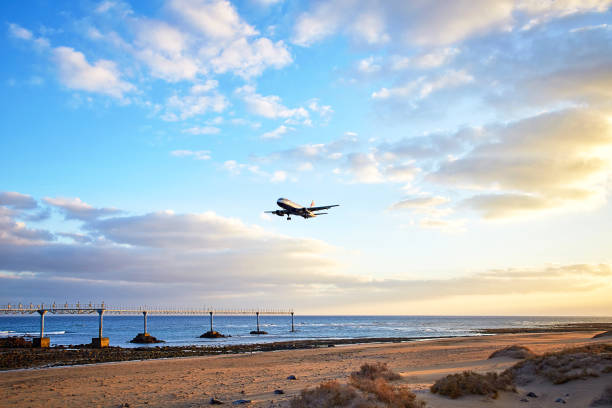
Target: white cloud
{"x": 196, "y": 154}
{"x": 216, "y": 19}
{"x": 325, "y": 111}
{"x": 184, "y": 107}
{"x": 542, "y": 162}
{"x": 202, "y": 130}
{"x": 17, "y": 233}
{"x": 278, "y": 176}
{"x": 443, "y": 224}
{"x": 368, "y": 65}
{"x": 429, "y": 23}
{"x": 429, "y": 60}
{"x": 269, "y": 106}
{"x": 421, "y": 88}
{"x": 18, "y": 31}
{"x": 17, "y": 200}
{"x": 76, "y": 73}
{"x": 165, "y": 50}
{"x": 370, "y": 28}
{"x": 207, "y": 86}
{"x": 237, "y": 168}
{"x": 322, "y": 21}
{"x": 276, "y": 133}
{"x": 249, "y": 59}
{"x": 543, "y": 11}
{"x": 420, "y": 203}
{"x": 307, "y": 166}
{"x": 74, "y": 208}
{"x": 139, "y": 250}
{"x": 364, "y": 168}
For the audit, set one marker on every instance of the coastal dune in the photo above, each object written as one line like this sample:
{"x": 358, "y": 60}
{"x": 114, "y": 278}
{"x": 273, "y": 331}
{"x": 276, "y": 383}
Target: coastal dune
{"x": 192, "y": 382}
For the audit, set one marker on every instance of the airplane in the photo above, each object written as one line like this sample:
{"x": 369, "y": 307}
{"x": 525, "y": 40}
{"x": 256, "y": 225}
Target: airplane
{"x": 290, "y": 208}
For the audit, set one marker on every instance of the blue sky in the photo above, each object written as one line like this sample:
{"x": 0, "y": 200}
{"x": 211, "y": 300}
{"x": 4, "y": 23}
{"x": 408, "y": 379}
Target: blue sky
{"x": 469, "y": 145}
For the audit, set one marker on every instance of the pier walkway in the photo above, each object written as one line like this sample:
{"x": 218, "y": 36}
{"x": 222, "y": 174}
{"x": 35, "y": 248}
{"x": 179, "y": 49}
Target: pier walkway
{"x": 102, "y": 309}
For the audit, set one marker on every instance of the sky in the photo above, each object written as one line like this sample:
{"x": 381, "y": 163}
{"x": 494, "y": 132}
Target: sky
{"x": 468, "y": 143}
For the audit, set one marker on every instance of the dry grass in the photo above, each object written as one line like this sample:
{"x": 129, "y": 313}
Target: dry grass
{"x": 518, "y": 352}
{"x": 373, "y": 371}
{"x": 471, "y": 383}
{"x": 367, "y": 388}
{"x": 390, "y": 395}
{"x": 329, "y": 395}
{"x": 605, "y": 399}
{"x": 566, "y": 365}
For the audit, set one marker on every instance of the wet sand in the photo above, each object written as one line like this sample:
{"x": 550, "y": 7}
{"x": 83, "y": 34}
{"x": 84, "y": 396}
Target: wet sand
{"x": 192, "y": 381}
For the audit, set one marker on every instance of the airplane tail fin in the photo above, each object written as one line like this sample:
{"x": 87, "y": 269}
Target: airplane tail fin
{"x": 312, "y": 204}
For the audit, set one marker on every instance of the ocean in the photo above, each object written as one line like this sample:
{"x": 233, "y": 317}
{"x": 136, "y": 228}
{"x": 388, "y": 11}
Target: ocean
{"x": 185, "y": 330}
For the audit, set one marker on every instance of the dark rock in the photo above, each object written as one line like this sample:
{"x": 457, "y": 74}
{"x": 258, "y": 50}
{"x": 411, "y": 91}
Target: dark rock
{"x": 214, "y": 401}
{"x": 532, "y": 394}
{"x": 560, "y": 400}
{"x": 241, "y": 401}
{"x": 279, "y": 392}
{"x": 15, "y": 342}
{"x": 258, "y": 332}
{"x": 331, "y": 345}
{"x": 292, "y": 377}
{"x": 524, "y": 400}
{"x": 145, "y": 338}
{"x": 212, "y": 335}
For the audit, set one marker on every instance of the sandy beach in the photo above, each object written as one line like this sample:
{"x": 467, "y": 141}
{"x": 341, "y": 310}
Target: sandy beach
{"x": 191, "y": 382}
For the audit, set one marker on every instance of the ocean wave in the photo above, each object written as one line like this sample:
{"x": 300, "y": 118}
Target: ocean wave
{"x": 11, "y": 333}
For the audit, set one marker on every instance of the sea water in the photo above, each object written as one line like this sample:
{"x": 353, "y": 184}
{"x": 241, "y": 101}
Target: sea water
{"x": 185, "y": 330}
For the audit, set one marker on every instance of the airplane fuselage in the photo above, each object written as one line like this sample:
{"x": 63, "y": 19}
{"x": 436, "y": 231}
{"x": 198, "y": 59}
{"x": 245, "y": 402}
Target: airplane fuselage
{"x": 294, "y": 208}
{"x": 290, "y": 208}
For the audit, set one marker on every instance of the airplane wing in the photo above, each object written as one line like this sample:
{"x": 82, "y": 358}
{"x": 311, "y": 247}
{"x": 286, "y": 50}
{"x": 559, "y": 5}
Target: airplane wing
{"x": 325, "y": 207}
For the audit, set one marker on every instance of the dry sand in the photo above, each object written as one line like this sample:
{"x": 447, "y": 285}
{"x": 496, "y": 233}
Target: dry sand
{"x": 191, "y": 382}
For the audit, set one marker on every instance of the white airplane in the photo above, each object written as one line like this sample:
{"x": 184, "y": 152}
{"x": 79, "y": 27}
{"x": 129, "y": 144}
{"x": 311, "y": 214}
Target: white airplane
{"x": 290, "y": 208}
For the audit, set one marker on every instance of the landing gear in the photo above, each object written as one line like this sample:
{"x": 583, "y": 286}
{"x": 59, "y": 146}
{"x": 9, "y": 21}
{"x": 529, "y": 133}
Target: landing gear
{"x": 288, "y": 218}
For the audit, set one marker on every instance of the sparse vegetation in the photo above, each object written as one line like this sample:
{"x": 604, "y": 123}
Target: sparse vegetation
{"x": 605, "y": 399}
{"x": 330, "y": 394}
{"x": 368, "y": 387}
{"x": 471, "y": 383}
{"x": 518, "y": 352}
{"x": 559, "y": 367}
{"x": 566, "y": 365}
{"x": 373, "y": 371}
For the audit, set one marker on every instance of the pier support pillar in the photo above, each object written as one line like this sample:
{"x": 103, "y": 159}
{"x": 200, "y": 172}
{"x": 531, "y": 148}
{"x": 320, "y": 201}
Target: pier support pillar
{"x": 292, "y": 328}
{"x": 100, "y": 342}
{"x": 42, "y": 341}
{"x": 144, "y": 314}
{"x": 211, "y": 322}
{"x": 258, "y": 331}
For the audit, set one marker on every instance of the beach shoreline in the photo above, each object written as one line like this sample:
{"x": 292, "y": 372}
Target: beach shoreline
{"x": 24, "y": 358}
{"x": 192, "y": 381}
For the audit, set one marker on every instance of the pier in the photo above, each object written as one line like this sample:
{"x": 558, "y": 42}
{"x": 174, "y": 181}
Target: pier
{"x": 102, "y": 309}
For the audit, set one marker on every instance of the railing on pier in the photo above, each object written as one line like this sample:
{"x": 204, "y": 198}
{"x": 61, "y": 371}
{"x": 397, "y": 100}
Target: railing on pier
{"x": 102, "y": 308}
